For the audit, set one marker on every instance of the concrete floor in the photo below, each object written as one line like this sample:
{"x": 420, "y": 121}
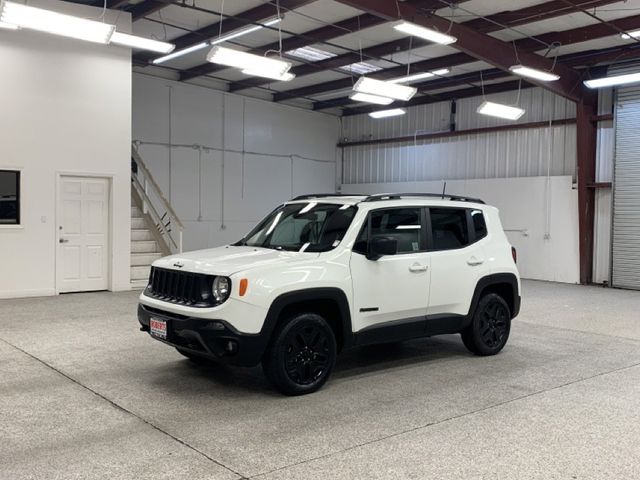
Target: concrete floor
{"x": 83, "y": 394}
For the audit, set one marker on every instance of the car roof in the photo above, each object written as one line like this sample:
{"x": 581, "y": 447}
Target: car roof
{"x": 395, "y": 199}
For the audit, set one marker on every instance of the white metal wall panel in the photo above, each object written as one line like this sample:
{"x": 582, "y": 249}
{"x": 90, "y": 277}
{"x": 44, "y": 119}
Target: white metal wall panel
{"x": 517, "y": 153}
{"x": 626, "y": 198}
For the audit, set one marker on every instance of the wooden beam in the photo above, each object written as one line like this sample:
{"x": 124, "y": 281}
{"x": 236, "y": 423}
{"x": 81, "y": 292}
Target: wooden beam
{"x": 479, "y": 45}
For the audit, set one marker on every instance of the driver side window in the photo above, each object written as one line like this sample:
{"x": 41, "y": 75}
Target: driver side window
{"x": 403, "y": 224}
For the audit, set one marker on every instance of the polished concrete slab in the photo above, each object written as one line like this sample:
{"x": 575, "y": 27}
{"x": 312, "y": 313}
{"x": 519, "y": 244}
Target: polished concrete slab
{"x": 83, "y": 394}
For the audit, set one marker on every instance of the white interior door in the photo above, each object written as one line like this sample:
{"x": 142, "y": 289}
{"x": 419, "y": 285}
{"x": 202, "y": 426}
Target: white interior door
{"x": 83, "y": 234}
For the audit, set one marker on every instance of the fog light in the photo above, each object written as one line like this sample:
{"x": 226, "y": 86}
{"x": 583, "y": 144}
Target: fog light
{"x": 231, "y": 347}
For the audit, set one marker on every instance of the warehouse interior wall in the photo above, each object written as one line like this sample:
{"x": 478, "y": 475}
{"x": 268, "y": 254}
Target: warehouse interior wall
{"x": 66, "y": 109}
{"x": 529, "y": 173}
{"x": 224, "y": 161}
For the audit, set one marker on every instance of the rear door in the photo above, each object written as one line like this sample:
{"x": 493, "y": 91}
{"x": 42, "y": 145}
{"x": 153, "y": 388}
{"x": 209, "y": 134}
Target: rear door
{"x": 457, "y": 258}
{"x": 393, "y": 288}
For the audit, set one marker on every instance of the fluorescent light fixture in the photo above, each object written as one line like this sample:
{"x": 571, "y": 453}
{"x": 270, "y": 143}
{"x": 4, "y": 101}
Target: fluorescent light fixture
{"x": 613, "y": 81}
{"x": 499, "y": 110}
{"x": 56, "y": 23}
{"x": 141, "y": 43}
{"x": 426, "y": 33}
{"x": 285, "y": 77}
{"x": 367, "y": 98}
{"x": 384, "y": 89}
{"x": 630, "y": 35}
{"x": 248, "y": 62}
{"x": 311, "y": 54}
{"x": 9, "y": 26}
{"x": 244, "y": 31}
{"x": 180, "y": 53}
{"x": 394, "y": 112}
{"x": 420, "y": 76}
{"x": 534, "y": 73}
{"x": 361, "y": 68}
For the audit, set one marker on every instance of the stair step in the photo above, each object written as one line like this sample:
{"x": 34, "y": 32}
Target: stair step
{"x": 144, "y": 246}
{"x": 144, "y": 259}
{"x": 140, "y": 273}
{"x": 136, "y": 212}
{"x": 138, "y": 223}
{"x": 141, "y": 234}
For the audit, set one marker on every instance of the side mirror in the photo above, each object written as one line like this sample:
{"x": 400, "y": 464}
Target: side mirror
{"x": 381, "y": 245}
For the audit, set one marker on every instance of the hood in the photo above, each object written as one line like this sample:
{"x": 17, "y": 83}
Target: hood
{"x": 229, "y": 259}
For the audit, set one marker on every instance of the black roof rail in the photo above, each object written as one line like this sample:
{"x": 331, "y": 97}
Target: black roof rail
{"x": 325, "y": 195}
{"x": 396, "y": 196}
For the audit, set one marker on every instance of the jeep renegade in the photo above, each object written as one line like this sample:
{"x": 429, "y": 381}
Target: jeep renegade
{"x": 323, "y": 273}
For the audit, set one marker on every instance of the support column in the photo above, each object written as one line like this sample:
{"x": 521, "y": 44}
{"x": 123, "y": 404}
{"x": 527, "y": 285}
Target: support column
{"x": 587, "y": 134}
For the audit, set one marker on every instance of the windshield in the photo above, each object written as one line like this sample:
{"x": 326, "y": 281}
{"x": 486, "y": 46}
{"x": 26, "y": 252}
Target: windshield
{"x": 302, "y": 227}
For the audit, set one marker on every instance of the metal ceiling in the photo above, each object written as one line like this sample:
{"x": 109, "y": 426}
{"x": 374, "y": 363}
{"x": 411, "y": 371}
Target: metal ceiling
{"x": 580, "y": 33}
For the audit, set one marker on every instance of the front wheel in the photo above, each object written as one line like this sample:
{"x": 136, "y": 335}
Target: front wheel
{"x": 301, "y": 355}
{"x": 489, "y": 329}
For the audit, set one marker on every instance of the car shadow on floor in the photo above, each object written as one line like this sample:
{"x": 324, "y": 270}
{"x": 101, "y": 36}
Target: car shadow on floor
{"x": 198, "y": 378}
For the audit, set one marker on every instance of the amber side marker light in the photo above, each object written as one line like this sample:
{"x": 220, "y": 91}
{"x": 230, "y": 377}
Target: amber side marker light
{"x": 244, "y": 283}
{"x": 514, "y": 254}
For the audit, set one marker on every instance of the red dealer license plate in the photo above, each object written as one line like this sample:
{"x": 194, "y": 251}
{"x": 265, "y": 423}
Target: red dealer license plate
{"x": 158, "y": 328}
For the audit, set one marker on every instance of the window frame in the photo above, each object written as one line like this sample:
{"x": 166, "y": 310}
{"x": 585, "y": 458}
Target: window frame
{"x": 471, "y": 229}
{"x": 424, "y": 240}
{"x": 18, "y": 172}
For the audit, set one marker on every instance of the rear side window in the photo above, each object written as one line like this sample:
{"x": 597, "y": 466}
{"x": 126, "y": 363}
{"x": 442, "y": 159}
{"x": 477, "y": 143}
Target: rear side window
{"x": 479, "y": 224}
{"x": 449, "y": 227}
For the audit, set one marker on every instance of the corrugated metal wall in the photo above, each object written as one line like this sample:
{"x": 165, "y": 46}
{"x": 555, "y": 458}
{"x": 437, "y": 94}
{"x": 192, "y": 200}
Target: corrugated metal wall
{"x": 521, "y": 153}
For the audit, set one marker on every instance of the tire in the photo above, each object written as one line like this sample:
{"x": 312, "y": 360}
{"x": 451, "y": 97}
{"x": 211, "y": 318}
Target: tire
{"x": 197, "y": 359}
{"x": 489, "y": 329}
{"x": 301, "y": 355}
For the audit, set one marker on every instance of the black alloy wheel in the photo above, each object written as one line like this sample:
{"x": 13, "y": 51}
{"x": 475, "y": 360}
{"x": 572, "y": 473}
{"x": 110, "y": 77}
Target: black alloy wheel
{"x": 301, "y": 355}
{"x": 489, "y": 329}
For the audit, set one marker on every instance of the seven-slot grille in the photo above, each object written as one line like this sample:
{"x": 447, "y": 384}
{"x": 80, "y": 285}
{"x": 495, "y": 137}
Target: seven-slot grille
{"x": 185, "y": 288}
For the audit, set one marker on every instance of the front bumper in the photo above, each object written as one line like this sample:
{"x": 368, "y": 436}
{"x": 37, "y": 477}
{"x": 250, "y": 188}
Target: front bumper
{"x": 215, "y": 339}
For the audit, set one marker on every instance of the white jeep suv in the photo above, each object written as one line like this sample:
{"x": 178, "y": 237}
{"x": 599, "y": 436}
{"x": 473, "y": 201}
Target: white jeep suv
{"x": 323, "y": 273}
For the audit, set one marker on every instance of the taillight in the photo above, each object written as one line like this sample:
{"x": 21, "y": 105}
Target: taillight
{"x": 514, "y": 254}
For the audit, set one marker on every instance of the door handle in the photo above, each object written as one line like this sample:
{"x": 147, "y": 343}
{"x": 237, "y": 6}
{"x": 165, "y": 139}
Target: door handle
{"x": 63, "y": 240}
{"x": 473, "y": 261}
{"x": 416, "y": 267}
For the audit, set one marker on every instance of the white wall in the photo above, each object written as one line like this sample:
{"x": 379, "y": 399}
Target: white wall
{"x": 65, "y": 107}
{"x": 260, "y": 155}
{"x": 538, "y": 214}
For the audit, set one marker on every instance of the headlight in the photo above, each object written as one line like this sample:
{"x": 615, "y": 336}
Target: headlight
{"x": 221, "y": 289}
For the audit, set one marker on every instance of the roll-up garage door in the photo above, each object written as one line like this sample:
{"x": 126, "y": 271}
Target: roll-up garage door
{"x": 626, "y": 195}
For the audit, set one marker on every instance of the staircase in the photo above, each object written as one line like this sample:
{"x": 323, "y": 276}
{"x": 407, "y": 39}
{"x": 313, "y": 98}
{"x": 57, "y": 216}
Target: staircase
{"x": 156, "y": 230}
{"x": 144, "y": 248}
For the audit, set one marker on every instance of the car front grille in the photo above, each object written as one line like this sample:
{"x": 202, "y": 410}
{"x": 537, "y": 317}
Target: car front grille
{"x": 184, "y": 288}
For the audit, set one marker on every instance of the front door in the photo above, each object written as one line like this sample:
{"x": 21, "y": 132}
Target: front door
{"x": 83, "y": 234}
{"x": 393, "y": 288}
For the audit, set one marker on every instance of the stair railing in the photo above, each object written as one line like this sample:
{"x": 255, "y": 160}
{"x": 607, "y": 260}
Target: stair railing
{"x": 167, "y": 224}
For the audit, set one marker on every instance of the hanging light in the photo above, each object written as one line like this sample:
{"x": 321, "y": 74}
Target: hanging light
{"x": 534, "y": 73}
{"x": 425, "y": 33}
{"x": 48, "y": 21}
{"x": 367, "y": 98}
{"x": 384, "y": 89}
{"x": 613, "y": 81}
{"x": 141, "y": 43}
{"x": 500, "y": 110}
{"x": 394, "y": 112}
{"x": 251, "y": 64}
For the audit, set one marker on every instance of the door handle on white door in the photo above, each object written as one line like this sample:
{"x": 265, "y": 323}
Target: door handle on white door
{"x": 416, "y": 267}
{"x": 63, "y": 240}
{"x": 473, "y": 261}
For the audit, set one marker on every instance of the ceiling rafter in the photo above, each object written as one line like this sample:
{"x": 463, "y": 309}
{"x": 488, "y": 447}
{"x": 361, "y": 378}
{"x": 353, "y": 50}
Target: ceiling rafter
{"x": 318, "y": 35}
{"x": 587, "y": 59}
{"x": 491, "y": 23}
{"x": 567, "y": 37}
{"x": 256, "y": 14}
{"x": 479, "y": 45}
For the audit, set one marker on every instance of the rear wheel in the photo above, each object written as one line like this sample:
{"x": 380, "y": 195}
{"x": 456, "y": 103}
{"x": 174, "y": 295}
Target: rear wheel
{"x": 489, "y": 329}
{"x": 301, "y": 355}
